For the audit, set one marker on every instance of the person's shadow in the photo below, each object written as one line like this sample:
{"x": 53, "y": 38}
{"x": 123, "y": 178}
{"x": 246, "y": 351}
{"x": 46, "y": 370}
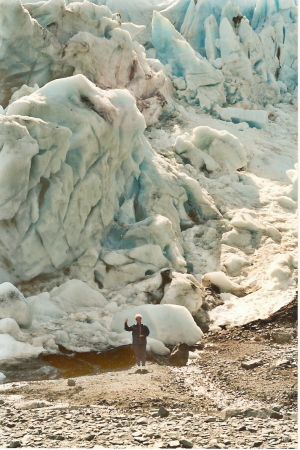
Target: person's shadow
{"x": 141, "y": 371}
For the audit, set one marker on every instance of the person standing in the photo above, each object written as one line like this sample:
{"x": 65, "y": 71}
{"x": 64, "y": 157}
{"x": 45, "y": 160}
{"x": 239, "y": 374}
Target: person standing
{"x": 139, "y": 339}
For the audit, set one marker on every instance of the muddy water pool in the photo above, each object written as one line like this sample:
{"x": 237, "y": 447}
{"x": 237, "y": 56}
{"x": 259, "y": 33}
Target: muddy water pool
{"x": 66, "y": 364}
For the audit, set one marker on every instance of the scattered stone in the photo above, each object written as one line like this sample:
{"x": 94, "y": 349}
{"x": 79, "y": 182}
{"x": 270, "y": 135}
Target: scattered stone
{"x": 142, "y": 420}
{"x": 174, "y": 444}
{"x": 32, "y": 405}
{"x": 276, "y": 408}
{"x": 163, "y": 412}
{"x": 179, "y": 355}
{"x": 282, "y": 362}
{"x": 276, "y": 415}
{"x": 90, "y": 437}
{"x": 140, "y": 439}
{"x": 14, "y": 444}
{"x": 71, "y": 382}
{"x": 281, "y": 337}
{"x": 185, "y": 444}
{"x": 247, "y": 412}
{"x": 56, "y": 437}
{"x": 136, "y": 434}
{"x": 215, "y": 444}
{"x": 251, "y": 364}
{"x": 257, "y": 443}
{"x": 210, "y": 419}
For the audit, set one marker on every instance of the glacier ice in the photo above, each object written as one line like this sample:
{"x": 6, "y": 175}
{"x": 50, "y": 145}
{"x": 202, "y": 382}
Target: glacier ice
{"x": 292, "y": 191}
{"x": 186, "y": 291}
{"x": 86, "y": 156}
{"x": 12, "y": 350}
{"x": 75, "y": 294}
{"x": 167, "y": 323}
{"x": 13, "y": 305}
{"x": 254, "y": 118}
{"x": 203, "y": 84}
{"x": 253, "y": 43}
{"x": 281, "y": 269}
{"x": 56, "y": 220}
{"x": 58, "y": 41}
{"x": 211, "y": 149}
{"x": 101, "y": 216}
{"x": 81, "y": 319}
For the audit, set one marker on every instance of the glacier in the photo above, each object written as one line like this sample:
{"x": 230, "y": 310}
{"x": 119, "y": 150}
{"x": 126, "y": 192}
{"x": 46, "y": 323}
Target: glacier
{"x": 147, "y": 157}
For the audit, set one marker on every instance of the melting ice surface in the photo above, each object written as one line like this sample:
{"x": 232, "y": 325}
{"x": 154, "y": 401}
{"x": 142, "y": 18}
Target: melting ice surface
{"x": 147, "y": 161}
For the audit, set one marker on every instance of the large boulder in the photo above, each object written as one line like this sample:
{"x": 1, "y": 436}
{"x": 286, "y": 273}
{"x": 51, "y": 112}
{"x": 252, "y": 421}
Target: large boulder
{"x": 202, "y": 319}
{"x": 179, "y": 355}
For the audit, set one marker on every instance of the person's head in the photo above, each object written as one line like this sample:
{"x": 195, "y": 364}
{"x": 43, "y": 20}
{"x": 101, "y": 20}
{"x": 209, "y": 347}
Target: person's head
{"x": 138, "y": 318}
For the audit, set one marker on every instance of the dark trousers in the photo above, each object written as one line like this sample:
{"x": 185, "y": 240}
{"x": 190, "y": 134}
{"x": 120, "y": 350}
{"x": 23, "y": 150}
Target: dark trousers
{"x": 140, "y": 353}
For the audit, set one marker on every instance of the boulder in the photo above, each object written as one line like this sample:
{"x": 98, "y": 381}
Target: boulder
{"x": 202, "y": 319}
{"x": 14, "y": 444}
{"x": 276, "y": 415}
{"x": 163, "y": 412}
{"x": 281, "y": 337}
{"x": 251, "y": 364}
{"x": 185, "y": 444}
{"x": 262, "y": 413}
{"x": 179, "y": 355}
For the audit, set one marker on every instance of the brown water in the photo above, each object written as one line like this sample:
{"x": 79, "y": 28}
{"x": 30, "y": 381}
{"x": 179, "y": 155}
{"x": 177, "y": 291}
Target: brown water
{"x": 68, "y": 364}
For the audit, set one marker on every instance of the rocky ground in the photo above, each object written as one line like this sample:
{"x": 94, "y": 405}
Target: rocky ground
{"x": 241, "y": 392}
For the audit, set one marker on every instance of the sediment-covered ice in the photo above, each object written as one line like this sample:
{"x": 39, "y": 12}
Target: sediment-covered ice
{"x": 13, "y": 305}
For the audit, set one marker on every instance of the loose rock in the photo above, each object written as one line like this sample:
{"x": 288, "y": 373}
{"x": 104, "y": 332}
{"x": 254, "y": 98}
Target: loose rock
{"x": 251, "y": 364}
{"x": 14, "y": 444}
{"x": 163, "y": 412}
{"x": 186, "y": 444}
{"x": 179, "y": 355}
{"x": 281, "y": 337}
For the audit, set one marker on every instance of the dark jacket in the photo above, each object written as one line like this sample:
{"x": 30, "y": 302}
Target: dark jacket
{"x": 136, "y": 333}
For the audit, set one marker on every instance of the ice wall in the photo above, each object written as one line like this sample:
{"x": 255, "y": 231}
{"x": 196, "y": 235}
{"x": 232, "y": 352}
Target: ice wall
{"x": 195, "y": 79}
{"x": 193, "y": 26}
{"x": 77, "y": 174}
{"x": 253, "y": 43}
{"x": 53, "y": 41}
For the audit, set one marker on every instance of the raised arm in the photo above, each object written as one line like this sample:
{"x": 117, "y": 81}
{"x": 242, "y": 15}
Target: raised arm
{"x": 127, "y": 328}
